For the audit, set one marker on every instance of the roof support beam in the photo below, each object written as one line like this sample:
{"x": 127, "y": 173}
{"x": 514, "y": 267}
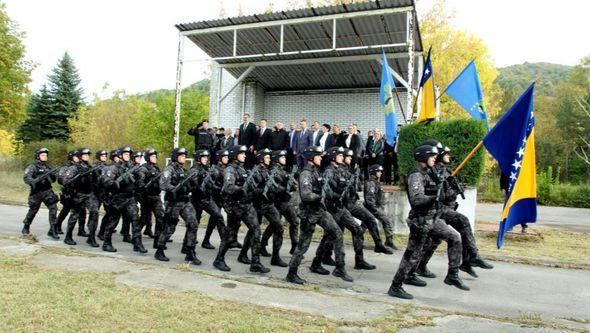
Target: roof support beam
{"x": 314, "y": 60}
{"x": 238, "y": 81}
{"x": 298, "y": 20}
{"x": 397, "y": 75}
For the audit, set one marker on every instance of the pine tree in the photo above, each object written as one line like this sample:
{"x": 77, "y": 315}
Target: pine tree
{"x": 41, "y": 122}
{"x": 65, "y": 96}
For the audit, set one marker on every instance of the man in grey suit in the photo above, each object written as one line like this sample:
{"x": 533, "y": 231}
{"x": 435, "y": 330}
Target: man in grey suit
{"x": 304, "y": 140}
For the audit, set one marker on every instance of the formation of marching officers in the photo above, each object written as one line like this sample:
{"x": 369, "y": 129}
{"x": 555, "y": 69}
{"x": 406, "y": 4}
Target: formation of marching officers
{"x": 328, "y": 194}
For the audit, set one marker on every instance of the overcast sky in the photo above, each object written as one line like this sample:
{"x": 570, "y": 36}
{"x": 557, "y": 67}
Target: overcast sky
{"x": 131, "y": 44}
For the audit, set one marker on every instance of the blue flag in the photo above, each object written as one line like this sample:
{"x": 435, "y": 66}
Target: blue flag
{"x": 386, "y": 98}
{"x": 466, "y": 90}
{"x": 512, "y": 143}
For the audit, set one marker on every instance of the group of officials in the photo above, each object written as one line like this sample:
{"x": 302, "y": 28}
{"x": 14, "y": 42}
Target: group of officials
{"x": 328, "y": 183}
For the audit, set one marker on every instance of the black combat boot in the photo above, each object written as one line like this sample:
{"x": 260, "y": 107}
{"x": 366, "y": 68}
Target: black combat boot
{"x": 380, "y": 248}
{"x": 235, "y": 245}
{"x": 340, "y": 272}
{"x": 453, "y": 279}
{"x": 138, "y": 246}
{"x": 389, "y": 243}
{"x": 277, "y": 261}
{"x": 52, "y": 232}
{"x": 327, "y": 260}
{"x": 360, "y": 263}
{"x": 293, "y": 277}
{"x": 107, "y": 246}
{"x": 148, "y": 232}
{"x": 69, "y": 240}
{"x": 479, "y": 262}
{"x": 91, "y": 241}
{"x": 159, "y": 255}
{"x": 423, "y": 271}
{"x": 26, "y": 229}
{"x": 100, "y": 236}
{"x": 263, "y": 251}
{"x": 396, "y": 290}
{"x": 413, "y": 280}
{"x": 220, "y": 264}
{"x": 257, "y": 267}
{"x": 207, "y": 244}
{"x": 126, "y": 238}
{"x": 243, "y": 258}
{"x": 293, "y": 248}
{"x": 82, "y": 232}
{"x": 191, "y": 256}
{"x": 58, "y": 228}
{"x": 316, "y": 267}
{"x": 466, "y": 267}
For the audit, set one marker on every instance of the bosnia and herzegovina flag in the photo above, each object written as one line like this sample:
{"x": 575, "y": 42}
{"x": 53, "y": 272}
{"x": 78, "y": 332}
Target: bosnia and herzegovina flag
{"x": 512, "y": 143}
{"x": 386, "y": 97}
{"x": 428, "y": 107}
{"x": 466, "y": 90}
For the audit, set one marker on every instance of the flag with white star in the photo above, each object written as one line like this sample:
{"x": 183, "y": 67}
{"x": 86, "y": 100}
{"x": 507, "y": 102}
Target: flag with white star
{"x": 386, "y": 98}
{"x": 466, "y": 91}
{"x": 428, "y": 105}
{"x": 512, "y": 143}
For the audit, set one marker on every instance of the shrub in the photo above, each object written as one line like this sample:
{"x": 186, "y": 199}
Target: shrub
{"x": 57, "y": 151}
{"x": 459, "y": 135}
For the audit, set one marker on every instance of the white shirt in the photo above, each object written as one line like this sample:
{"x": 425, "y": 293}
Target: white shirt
{"x": 323, "y": 140}
{"x": 348, "y": 139}
{"x": 315, "y": 136}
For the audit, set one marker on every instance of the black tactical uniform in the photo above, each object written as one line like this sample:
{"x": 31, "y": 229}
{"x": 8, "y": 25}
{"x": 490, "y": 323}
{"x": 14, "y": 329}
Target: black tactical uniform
{"x": 424, "y": 222}
{"x": 213, "y": 184}
{"x": 39, "y": 176}
{"x": 264, "y": 208}
{"x": 455, "y": 219}
{"x": 356, "y": 209}
{"x": 114, "y": 157}
{"x": 67, "y": 195}
{"x": 373, "y": 195}
{"x": 313, "y": 212}
{"x": 202, "y": 198}
{"x": 79, "y": 180}
{"x": 336, "y": 189}
{"x": 279, "y": 187}
{"x": 120, "y": 180}
{"x": 177, "y": 183}
{"x": 126, "y": 222}
{"x": 238, "y": 205}
{"x": 149, "y": 198}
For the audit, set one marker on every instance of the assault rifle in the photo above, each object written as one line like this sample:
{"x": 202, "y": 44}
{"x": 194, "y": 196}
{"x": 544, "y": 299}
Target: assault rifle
{"x": 42, "y": 177}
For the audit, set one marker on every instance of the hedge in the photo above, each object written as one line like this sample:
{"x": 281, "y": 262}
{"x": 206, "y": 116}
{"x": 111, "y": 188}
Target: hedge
{"x": 459, "y": 135}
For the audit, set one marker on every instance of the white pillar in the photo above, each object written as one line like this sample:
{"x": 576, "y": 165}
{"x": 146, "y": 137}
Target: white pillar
{"x": 179, "y": 64}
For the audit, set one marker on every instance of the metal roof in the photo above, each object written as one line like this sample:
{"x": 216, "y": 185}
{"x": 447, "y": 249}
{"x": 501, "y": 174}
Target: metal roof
{"x": 358, "y": 39}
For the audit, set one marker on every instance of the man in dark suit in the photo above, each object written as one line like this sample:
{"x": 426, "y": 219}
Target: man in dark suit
{"x": 248, "y": 138}
{"x": 227, "y": 140}
{"x": 293, "y": 131}
{"x": 279, "y": 138}
{"x": 304, "y": 140}
{"x": 353, "y": 142}
{"x": 263, "y": 136}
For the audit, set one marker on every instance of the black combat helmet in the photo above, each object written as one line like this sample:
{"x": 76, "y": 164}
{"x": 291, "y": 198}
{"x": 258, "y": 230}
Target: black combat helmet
{"x": 442, "y": 152}
{"x": 277, "y": 154}
{"x": 434, "y": 143}
{"x": 70, "y": 155}
{"x": 333, "y": 152}
{"x": 100, "y": 153}
{"x": 176, "y": 152}
{"x": 348, "y": 152}
{"x": 125, "y": 149}
{"x": 114, "y": 153}
{"x": 375, "y": 168}
{"x": 422, "y": 153}
{"x": 149, "y": 152}
{"x": 82, "y": 151}
{"x": 260, "y": 155}
{"x": 310, "y": 152}
{"x": 236, "y": 150}
{"x": 201, "y": 153}
{"x": 41, "y": 151}
{"x": 220, "y": 153}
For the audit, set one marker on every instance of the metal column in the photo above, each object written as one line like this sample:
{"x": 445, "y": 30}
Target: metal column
{"x": 410, "y": 43}
{"x": 179, "y": 64}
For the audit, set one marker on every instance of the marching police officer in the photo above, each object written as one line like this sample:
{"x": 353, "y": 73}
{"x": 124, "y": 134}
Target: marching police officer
{"x": 80, "y": 179}
{"x": 212, "y": 185}
{"x": 114, "y": 157}
{"x": 373, "y": 195}
{"x": 424, "y": 221}
{"x": 238, "y": 205}
{"x": 66, "y": 195}
{"x": 177, "y": 183}
{"x": 39, "y": 176}
{"x": 264, "y": 208}
{"x": 312, "y": 212}
{"x": 135, "y": 165}
{"x": 120, "y": 180}
{"x": 149, "y": 198}
{"x": 279, "y": 187}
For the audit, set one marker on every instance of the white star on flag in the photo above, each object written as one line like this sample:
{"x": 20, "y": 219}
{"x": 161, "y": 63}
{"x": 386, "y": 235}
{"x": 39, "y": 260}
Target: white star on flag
{"x": 427, "y": 71}
{"x": 520, "y": 152}
{"x": 513, "y": 175}
{"x": 516, "y": 164}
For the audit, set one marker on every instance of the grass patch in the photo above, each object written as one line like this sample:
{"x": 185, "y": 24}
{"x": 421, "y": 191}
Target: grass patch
{"x": 12, "y": 187}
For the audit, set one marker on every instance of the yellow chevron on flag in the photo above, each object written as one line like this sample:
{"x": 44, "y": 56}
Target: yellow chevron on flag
{"x": 428, "y": 105}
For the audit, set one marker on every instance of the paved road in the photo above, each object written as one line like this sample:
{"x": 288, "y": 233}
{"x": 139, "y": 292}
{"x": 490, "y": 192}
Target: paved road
{"x": 566, "y": 218}
{"x": 507, "y": 290}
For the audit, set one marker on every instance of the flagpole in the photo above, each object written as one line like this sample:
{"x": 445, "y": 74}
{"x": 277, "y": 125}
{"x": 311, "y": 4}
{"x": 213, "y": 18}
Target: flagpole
{"x": 455, "y": 79}
{"x": 469, "y": 156}
{"x": 401, "y": 108}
